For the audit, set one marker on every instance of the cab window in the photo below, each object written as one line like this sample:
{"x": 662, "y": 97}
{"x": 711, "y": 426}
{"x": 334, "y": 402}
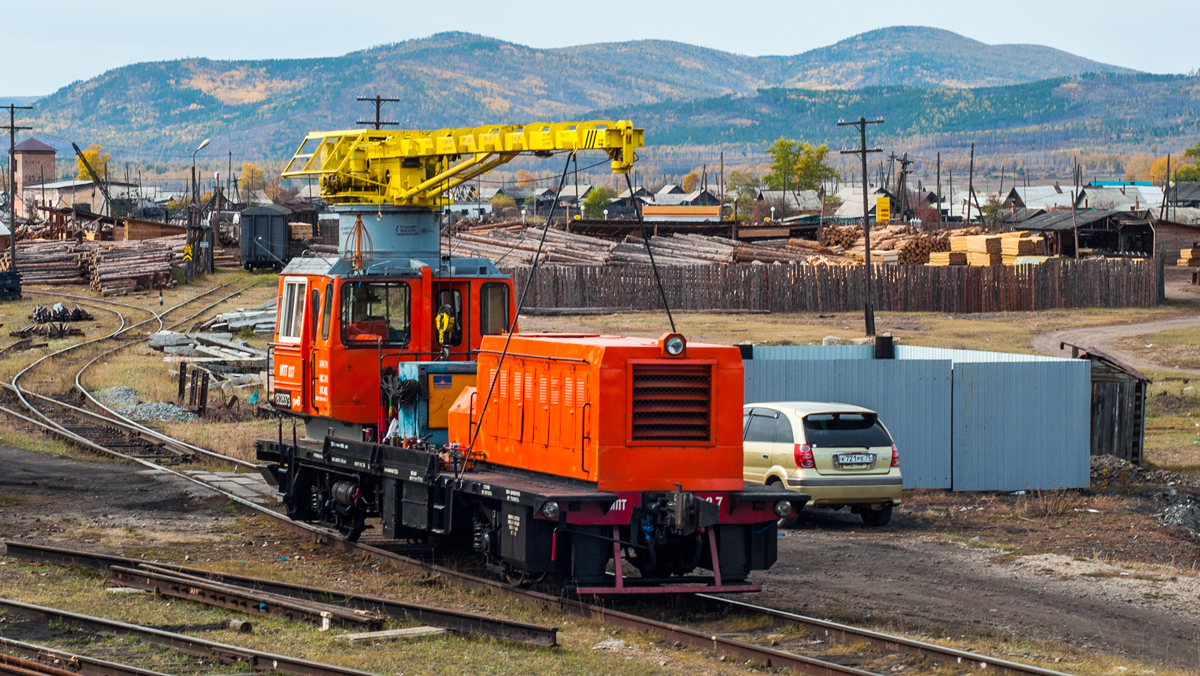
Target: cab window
{"x": 291, "y": 311}
{"x": 327, "y": 312}
{"x": 493, "y": 309}
{"x": 449, "y": 301}
{"x": 374, "y": 313}
{"x": 315, "y": 312}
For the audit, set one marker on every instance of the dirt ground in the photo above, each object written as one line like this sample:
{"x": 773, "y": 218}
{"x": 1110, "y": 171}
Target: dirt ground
{"x": 1103, "y": 575}
{"x": 1008, "y": 571}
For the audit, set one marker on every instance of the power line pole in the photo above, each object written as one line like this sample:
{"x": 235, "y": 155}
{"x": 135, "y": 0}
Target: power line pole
{"x": 938, "y": 197}
{"x": 970, "y": 183}
{"x": 861, "y": 151}
{"x": 12, "y": 181}
{"x": 378, "y": 101}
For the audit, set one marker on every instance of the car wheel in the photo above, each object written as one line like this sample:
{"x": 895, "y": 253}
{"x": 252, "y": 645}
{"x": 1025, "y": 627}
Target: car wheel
{"x": 877, "y": 517}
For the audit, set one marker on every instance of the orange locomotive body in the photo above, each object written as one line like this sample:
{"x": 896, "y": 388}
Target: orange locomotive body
{"x": 620, "y": 412}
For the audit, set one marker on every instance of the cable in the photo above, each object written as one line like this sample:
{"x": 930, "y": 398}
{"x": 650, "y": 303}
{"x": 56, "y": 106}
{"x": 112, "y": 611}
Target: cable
{"x": 513, "y": 324}
{"x": 642, "y": 224}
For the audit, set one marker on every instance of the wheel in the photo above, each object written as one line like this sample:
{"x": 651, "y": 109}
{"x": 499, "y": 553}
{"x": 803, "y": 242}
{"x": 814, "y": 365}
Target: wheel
{"x": 877, "y": 517}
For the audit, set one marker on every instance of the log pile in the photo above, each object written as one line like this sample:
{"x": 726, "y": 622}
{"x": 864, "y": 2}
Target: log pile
{"x": 51, "y": 263}
{"x": 984, "y": 250}
{"x": 118, "y": 270}
{"x": 1189, "y": 258}
{"x": 841, "y": 236}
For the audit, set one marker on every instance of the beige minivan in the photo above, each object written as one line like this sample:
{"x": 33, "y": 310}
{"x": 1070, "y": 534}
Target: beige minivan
{"x": 839, "y": 454}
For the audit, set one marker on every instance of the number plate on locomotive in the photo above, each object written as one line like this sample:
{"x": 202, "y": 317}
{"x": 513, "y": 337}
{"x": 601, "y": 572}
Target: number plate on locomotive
{"x": 283, "y": 399}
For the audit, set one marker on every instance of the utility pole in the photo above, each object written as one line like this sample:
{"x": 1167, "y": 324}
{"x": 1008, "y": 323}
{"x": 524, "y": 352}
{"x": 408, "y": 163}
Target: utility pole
{"x": 938, "y": 197}
{"x": 970, "y": 183}
{"x": 377, "y": 122}
{"x": 12, "y": 182}
{"x": 861, "y": 151}
{"x": 1074, "y": 200}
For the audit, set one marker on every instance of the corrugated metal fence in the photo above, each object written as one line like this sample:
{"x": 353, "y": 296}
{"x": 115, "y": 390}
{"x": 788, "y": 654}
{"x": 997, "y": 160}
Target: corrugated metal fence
{"x": 963, "y": 419}
{"x": 804, "y": 288}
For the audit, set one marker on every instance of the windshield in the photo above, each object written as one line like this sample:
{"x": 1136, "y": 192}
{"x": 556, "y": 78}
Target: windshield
{"x": 374, "y": 312}
{"x": 845, "y": 430}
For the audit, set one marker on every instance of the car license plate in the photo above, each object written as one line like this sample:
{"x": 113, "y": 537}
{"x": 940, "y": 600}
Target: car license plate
{"x": 283, "y": 399}
{"x": 856, "y": 459}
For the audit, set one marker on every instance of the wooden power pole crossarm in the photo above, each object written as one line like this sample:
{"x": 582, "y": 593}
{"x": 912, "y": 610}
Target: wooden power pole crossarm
{"x": 862, "y": 150}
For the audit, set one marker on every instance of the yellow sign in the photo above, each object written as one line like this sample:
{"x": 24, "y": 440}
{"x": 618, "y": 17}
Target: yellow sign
{"x": 187, "y": 252}
{"x": 883, "y": 210}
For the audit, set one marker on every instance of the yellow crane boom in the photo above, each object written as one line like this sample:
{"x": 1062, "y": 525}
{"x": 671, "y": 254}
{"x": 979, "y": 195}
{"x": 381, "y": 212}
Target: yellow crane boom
{"x": 417, "y": 168}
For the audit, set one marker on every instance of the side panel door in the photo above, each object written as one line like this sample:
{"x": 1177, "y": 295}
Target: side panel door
{"x": 783, "y": 450}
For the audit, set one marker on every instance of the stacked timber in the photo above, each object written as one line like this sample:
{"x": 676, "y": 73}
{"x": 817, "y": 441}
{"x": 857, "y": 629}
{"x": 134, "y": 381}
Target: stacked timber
{"x": 945, "y": 258}
{"x": 119, "y": 269}
{"x": 259, "y": 319}
{"x": 1189, "y": 258}
{"x": 297, "y": 231}
{"x": 52, "y": 263}
{"x": 984, "y": 250}
{"x": 1016, "y": 244}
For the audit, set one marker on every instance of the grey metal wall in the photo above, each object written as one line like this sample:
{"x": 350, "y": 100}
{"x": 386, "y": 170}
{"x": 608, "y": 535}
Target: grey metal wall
{"x": 1021, "y": 425}
{"x": 963, "y": 419}
{"x": 912, "y": 397}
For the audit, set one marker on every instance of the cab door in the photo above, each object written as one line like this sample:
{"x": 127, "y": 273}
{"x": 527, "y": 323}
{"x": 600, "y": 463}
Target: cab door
{"x": 451, "y": 320}
{"x": 291, "y": 343}
{"x": 758, "y": 444}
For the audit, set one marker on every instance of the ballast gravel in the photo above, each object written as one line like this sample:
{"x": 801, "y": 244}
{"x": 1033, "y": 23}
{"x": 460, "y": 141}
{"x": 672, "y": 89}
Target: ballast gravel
{"x": 127, "y": 402}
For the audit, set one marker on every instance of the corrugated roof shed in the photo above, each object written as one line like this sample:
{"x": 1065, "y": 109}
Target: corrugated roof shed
{"x": 1186, "y": 192}
{"x": 1124, "y": 198}
{"x": 1060, "y": 219}
{"x": 802, "y": 200}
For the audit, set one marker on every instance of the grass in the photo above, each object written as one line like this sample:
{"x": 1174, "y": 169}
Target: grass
{"x": 1175, "y": 347}
{"x": 1008, "y": 332}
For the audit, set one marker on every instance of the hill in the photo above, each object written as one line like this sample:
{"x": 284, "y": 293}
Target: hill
{"x": 1096, "y": 111}
{"x": 263, "y": 108}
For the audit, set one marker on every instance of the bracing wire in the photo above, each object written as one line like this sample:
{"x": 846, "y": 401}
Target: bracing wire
{"x": 649, "y": 252}
{"x": 512, "y": 326}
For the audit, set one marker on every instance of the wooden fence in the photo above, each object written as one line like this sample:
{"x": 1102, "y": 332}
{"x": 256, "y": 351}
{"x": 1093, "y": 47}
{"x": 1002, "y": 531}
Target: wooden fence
{"x": 897, "y": 288}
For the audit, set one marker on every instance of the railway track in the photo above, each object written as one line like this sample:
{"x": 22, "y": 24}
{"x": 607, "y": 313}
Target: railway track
{"x": 93, "y": 430}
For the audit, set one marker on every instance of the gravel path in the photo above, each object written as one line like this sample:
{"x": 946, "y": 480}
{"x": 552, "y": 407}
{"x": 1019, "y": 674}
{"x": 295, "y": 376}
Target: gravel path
{"x": 1106, "y": 337}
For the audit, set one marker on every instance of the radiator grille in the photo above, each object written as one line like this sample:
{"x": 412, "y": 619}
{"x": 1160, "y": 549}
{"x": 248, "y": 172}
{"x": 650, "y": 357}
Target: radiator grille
{"x": 672, "y": 402}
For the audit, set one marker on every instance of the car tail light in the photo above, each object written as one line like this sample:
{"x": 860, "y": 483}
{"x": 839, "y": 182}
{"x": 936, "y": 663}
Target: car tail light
{"x": 804, "y": 456}
{"x": 895, "y": 456}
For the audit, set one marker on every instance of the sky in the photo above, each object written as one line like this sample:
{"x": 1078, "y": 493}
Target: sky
{"x": 79, "y": 39}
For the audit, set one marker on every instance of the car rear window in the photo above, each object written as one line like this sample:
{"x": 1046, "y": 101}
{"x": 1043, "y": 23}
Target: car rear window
{"x": 844, "y": 430}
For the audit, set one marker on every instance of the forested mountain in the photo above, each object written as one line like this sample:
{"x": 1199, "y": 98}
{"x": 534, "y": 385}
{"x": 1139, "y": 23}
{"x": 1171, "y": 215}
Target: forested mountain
{"x": 261, "y": 109}
{"x": 1093, "y": 111}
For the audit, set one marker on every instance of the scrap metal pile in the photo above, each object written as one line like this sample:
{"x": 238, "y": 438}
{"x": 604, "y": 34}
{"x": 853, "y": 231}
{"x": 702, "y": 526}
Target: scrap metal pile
{"x": 259, "y": 319}
{"x": 113, "y": 268}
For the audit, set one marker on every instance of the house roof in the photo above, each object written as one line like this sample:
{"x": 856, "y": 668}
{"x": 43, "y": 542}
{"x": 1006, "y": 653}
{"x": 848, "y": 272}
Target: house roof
{"x": 803, "y": 200}
{"x": 1019, "y": 215}
{"x": 1123, "y": 197}
{"x": 674, "y": 199}
{"x": 568, "y": 192}
{"x": 32, "y": 145}
{"x": 670, "y": 189}
{"x": 1041, "y": 196}
{"x": 1186, "y": 192}
{"x": 1183, "y": 215}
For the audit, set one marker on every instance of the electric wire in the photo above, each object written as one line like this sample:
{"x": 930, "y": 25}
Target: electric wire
{"x": 649, "y": 252}
{"x": 512, "y": 326}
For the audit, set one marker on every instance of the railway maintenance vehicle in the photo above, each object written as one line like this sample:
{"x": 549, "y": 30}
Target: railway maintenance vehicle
{"x": 613, "y": 464}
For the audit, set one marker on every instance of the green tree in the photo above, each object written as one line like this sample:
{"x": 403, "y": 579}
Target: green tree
{"x": 97, "y": 158}
{"x": 798, "y": 165}
{"x": 1190, "y": 172}
{"x": 742, "y": 187}
{"x": 597, "y": 201}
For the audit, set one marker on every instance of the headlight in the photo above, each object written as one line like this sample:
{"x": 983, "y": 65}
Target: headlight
{"x": 783, "y": 509}
{"x": 674, "y": 346}
{"x": 550, "y": 510}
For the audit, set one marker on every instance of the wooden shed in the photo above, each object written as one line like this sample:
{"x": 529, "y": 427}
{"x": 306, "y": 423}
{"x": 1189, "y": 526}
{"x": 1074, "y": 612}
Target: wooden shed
{"x": 1118, "y": 405}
